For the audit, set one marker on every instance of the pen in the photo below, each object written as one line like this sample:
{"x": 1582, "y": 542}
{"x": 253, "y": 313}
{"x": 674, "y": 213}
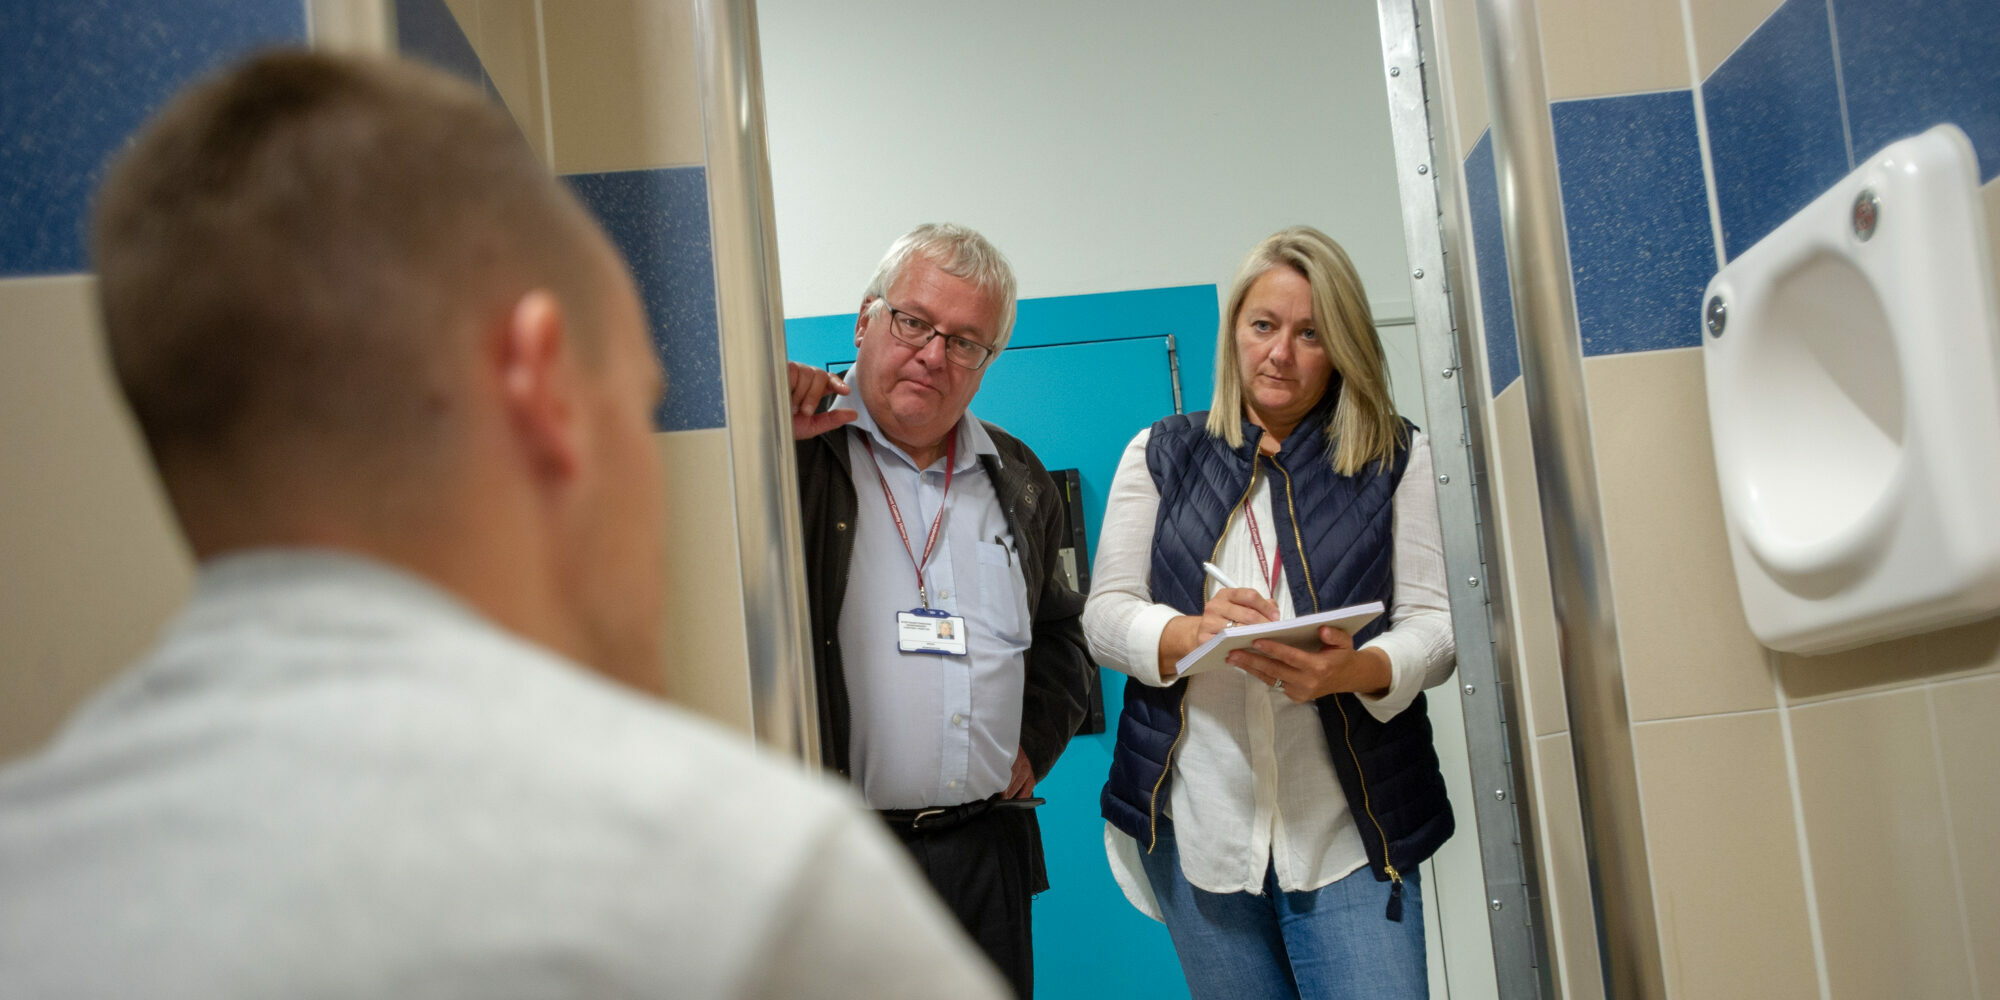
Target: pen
{"x": 1215, "y": 573}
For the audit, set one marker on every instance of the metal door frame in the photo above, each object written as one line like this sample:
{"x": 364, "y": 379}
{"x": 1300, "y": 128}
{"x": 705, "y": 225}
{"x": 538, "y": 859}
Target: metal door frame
{"x": 1435, "y": 236}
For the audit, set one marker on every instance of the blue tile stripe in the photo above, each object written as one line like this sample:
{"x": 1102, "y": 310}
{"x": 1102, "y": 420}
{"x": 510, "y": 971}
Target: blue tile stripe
{"x": 1907, "y": 65}
{"x": 1636, "y": 210}
{"x": 77, "y": 78}
{"x": 1489, "y": 245}
{"x": 1780, "y": 117}
{"x": 1774, "y": 126}
{"x": 658, "y": 219}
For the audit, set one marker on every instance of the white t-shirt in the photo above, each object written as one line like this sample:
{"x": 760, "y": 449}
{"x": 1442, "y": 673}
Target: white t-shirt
{"x": 334, "y": 780}
{"x": 1254, "y": 784}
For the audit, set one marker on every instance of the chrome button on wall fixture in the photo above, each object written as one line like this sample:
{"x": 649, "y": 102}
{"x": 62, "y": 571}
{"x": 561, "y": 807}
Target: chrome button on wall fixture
{"x": 1718, "y": 315}
{"x": 1867, "y": 212}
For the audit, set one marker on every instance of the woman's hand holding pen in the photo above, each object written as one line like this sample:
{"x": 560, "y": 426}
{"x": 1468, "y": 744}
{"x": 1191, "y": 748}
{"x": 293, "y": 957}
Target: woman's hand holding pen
{"x": 1228, "y": 606}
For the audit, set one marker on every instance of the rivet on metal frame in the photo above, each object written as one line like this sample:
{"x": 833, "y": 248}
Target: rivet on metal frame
{"x": 1867, "y": 213}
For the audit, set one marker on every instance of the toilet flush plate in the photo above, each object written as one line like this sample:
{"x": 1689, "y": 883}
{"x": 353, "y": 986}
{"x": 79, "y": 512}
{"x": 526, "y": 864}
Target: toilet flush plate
{"x": 1853, "y": 367}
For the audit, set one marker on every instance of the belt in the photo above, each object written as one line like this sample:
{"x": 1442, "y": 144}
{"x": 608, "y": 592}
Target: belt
{"x": 908, "y": 823}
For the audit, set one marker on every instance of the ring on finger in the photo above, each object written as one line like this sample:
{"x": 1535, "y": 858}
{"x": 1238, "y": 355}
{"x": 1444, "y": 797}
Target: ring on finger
{"x": 1278, "y": 686}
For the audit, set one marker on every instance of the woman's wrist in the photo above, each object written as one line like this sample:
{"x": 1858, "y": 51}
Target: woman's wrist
{"x": 1376, "y": 672}
{"x": 1176, "y": 639}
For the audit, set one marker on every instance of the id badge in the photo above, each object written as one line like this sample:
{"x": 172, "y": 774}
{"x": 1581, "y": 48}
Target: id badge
{"x": 928, "y": 630}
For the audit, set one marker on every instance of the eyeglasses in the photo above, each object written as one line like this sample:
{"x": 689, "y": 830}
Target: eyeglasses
{"x": 961, "y": 351}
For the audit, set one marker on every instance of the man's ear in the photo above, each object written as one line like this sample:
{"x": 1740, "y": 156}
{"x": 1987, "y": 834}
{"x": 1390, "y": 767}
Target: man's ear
{"x": 861, "y": 318}
{"x": 539, "y": 384}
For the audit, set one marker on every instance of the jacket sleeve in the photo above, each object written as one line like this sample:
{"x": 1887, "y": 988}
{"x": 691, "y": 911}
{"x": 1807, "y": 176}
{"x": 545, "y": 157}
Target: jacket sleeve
{"x": 1058, "y": 662}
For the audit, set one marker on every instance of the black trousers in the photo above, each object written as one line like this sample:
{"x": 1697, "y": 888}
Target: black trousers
{"x": 988, "y": 871}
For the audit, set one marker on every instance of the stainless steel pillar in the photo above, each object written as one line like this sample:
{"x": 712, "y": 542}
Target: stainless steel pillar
{"x": 783, "y": 701}
{"x": 1538, "y": 270}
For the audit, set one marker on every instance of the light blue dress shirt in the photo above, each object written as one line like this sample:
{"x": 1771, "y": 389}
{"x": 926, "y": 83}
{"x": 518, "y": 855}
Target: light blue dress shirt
{"x": 931, "y": 730}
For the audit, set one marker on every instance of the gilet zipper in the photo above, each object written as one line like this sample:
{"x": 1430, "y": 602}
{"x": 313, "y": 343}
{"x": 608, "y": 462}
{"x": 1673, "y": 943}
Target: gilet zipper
{"x": 1395, "y": 911}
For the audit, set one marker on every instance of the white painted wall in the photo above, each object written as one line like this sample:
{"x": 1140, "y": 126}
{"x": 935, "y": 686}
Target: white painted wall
{"x": 1103, "y": 146}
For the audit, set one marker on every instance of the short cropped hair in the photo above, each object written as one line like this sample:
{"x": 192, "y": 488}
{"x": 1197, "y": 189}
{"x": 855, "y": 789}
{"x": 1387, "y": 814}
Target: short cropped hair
{"x": 959, "y": 252}
{"x": 303, "y": 243}
{"x": 1363, "y": 427}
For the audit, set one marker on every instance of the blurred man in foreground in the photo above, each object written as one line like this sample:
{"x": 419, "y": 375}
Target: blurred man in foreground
{"x": 398, "y": 387}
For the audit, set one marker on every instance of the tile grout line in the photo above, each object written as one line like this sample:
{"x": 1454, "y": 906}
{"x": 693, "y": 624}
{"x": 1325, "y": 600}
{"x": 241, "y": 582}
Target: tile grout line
{"x": 1702, "y": 715}
{"x": 1892, "y": 689}
{"x": 1799, "y": 827}
{"x": 1950, "y": 838}
{"x": 548, "y": 107}
{"x": 1701, "y": 136}
{"x": 1840, "y": 84}
{"x": 1655, "y": 92}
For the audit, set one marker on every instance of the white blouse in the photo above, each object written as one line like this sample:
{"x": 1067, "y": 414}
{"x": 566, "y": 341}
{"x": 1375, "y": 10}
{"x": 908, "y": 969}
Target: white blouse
{"x": 1253, "y": 778}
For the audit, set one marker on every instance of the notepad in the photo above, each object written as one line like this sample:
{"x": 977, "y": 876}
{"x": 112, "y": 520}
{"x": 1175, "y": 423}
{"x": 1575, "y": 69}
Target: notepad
{"x": 1302, "y": 633}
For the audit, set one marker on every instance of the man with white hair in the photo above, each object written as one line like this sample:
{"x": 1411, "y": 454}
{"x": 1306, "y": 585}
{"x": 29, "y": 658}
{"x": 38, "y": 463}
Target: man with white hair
{"x": 951, "y": 658}
{"x": 399, "y": 387}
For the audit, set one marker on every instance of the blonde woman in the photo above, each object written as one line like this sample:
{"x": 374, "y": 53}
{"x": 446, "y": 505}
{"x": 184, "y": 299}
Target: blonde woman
{"x": 1273, "y": 814}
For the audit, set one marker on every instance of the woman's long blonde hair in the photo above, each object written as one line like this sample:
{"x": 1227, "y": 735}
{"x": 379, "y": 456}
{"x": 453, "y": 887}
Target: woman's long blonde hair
{"x": 1364, "y": 427}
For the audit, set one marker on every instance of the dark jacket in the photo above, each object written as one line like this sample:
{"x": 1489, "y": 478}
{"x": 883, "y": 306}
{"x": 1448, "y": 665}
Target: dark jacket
{"x": 1057, "y": 664}
{"x": 1334, "y": 536}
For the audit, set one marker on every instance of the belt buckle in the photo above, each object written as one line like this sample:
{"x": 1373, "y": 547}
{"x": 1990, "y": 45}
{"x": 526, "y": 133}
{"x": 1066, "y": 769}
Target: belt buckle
{"x": 917, "y": 820}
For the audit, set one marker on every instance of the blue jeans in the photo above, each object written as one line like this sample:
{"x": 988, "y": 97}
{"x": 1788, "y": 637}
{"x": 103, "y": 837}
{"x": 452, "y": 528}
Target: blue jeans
{"x": 1330, "y": 942}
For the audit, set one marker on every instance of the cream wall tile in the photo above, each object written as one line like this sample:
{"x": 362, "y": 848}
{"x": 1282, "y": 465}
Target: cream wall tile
{"x": 466, "y": 13}
{"x": 511, "y": 52}
{"x": 707, "y": 662}
{"x": 1727, "y": 882}
{"x": 92, "y": 561}
{"x": 1539, "y": 664}
{"x": 1968, "y": 727}
{"x": 1468, "y": 71}
{"x": 1954, "y": 652}
{"x": 1601, "y": 48}
{"x": 1565, "y": 871}
{"x": 1687, "y": 646}
{"x": 622, "y": 85}
{"x": 1868, "y": 778}
{"x": 1722, "y": 25}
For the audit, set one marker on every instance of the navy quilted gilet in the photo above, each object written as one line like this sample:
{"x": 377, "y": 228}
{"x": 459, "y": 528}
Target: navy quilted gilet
{"x": 1389, "y": 771}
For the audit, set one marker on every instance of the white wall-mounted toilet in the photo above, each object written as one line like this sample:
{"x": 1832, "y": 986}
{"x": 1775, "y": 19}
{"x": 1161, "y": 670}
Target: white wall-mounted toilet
{"x": 1853, "y": 363}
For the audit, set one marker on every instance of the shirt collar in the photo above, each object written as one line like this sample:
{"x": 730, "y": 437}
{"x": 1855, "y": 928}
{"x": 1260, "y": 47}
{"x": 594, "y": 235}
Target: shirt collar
{"x": 973, "y": 441}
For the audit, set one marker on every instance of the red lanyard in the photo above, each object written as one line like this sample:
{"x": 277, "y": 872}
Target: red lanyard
{"x": 930, "y": 542}
{"x": 1257, "y": 539}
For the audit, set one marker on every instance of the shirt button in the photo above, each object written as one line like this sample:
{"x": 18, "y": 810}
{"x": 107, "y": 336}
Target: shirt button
{"x": 957, "y": 719}
{"x": 951, "y": 784}
{"x": 944, "y": 594}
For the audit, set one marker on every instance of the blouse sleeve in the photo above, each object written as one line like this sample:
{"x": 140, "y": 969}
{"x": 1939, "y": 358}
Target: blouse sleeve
{"x": 1419, "y": 639}
{"x": 1120, "y": 618}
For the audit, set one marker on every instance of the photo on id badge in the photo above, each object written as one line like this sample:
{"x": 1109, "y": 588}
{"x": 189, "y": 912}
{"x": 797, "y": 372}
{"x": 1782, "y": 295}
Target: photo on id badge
{"x": 929, "y": 630}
